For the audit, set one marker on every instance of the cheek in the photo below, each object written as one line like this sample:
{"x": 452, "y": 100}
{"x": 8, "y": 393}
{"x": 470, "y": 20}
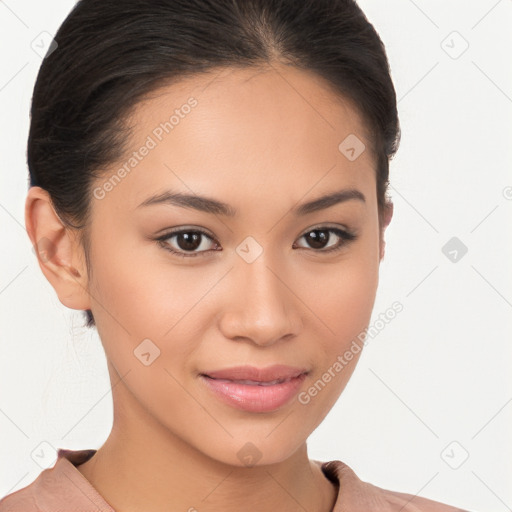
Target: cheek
{"x": 346, "y": 309}
{"x": 142, "y": 289}
{"x": 344, "y": 298}
{"x": 344, "y": 292}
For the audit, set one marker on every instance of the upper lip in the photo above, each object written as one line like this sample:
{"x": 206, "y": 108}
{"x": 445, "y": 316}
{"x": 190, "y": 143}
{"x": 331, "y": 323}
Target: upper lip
{"x": 268, "y": 374}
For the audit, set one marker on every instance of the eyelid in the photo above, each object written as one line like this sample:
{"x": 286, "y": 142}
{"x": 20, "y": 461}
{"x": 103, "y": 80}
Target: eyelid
{"x": 326, "y": 226}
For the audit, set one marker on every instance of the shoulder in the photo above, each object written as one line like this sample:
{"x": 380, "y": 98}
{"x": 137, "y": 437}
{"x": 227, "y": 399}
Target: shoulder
{"x": 355, "y": 495}
{"x": 61, "y": 487}
{"x": 413, "y": 503}
{"x": 20, "y": 500}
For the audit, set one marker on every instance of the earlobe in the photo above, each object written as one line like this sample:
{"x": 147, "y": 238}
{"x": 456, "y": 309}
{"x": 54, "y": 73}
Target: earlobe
{"x": 388, "y": 215}
{"x": 57, "y": 250}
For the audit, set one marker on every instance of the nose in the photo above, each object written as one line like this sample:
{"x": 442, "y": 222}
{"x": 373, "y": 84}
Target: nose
{"x": 262, "y": 307}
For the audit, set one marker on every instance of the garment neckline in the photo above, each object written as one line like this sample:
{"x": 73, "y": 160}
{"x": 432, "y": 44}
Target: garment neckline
{"x": 74, "y": 458}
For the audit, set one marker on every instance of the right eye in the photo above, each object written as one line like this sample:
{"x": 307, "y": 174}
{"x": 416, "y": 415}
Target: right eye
{"x": 186, "y": 242}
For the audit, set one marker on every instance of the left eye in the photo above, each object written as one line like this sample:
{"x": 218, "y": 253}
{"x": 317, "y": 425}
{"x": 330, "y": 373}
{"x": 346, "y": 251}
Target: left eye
{"x": 318, "y": 237}
{"x": 187, "y": 242}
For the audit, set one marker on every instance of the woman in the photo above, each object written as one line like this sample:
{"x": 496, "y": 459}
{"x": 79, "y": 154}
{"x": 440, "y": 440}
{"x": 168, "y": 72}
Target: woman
{"x": 208, "y": 183}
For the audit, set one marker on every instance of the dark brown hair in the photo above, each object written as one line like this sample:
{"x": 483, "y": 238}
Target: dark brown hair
{"x": 111, "y": 54}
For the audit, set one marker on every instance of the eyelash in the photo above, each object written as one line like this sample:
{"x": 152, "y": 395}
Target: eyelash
{"x": 346, "y": 238}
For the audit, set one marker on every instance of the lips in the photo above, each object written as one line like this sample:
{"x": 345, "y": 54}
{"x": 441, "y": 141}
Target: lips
{"x": 253, "y": 389}
{"x": 257, "y": 376}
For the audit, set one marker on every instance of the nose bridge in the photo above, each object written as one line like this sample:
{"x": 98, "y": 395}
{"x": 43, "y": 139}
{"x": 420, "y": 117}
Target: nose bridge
{"x": 263, "y": 290}
{"x": 262, "y": 308}
{"x": 256, "y": 268}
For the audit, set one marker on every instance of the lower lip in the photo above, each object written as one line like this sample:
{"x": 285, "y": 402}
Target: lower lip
{"x": 254, "y": 398}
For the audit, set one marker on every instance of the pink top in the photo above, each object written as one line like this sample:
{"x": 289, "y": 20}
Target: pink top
{"x": 62, "y": 488}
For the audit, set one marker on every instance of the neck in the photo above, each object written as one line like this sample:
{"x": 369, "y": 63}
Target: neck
{"x": 144, "y": 467}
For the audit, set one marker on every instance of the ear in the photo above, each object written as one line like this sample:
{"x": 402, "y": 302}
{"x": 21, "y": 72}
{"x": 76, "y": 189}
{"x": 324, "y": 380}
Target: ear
{"x": 388, "y": 215}
{"x": 58, "y": 251}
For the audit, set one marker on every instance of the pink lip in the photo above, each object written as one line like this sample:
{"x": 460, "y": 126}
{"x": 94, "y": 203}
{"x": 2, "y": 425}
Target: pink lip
{"x": 270, "y": 373}
{"x": 255, "y": 396}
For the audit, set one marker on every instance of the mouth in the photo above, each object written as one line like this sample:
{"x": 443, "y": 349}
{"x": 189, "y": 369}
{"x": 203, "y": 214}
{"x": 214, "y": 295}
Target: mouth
{"x": 255, "y": 390}
{"x": 252, "y": 375}
{"x": 254, "y": 382}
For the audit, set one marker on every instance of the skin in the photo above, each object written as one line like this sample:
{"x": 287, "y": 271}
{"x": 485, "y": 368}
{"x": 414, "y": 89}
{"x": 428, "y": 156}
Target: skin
{"x": 173, "y": 444}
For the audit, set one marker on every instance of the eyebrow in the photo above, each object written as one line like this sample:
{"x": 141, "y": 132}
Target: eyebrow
{"x": 210, "y": 205}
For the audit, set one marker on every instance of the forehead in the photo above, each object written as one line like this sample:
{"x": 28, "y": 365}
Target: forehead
{"x": 257, "y": 95}
{"x": 273, "y": 130}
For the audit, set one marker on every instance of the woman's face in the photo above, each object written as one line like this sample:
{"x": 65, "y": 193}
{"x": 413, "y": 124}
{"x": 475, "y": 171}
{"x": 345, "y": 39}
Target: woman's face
{"x": 262, "y": 287}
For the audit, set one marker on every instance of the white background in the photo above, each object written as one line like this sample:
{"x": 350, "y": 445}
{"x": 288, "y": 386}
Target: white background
{"x": 436, "y": 376}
